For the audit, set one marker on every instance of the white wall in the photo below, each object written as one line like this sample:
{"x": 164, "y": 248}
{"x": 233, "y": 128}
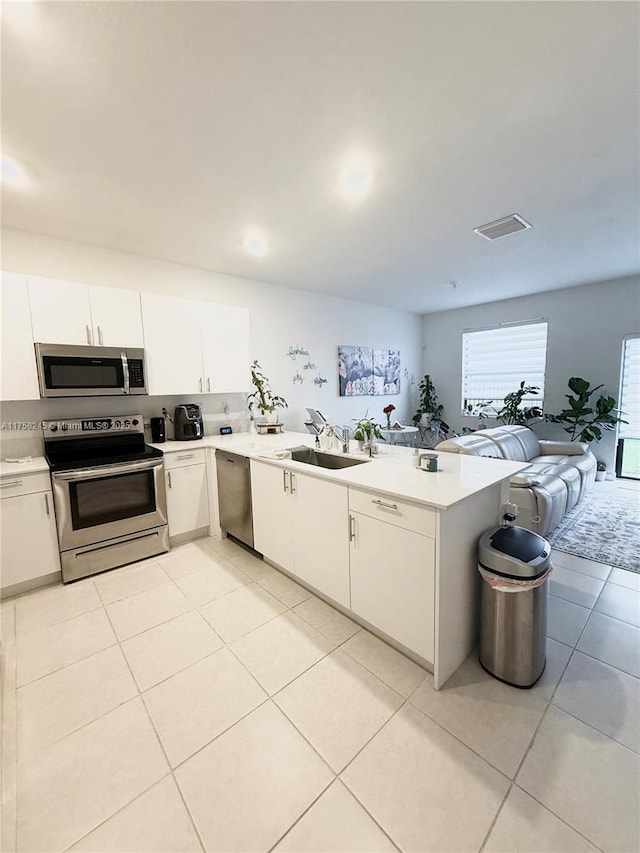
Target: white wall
{"x": 586, "y": 328}
{"x": 280, "y": 318}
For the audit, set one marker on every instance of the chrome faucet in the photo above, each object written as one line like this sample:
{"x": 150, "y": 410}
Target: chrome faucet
{"x": 341, "y": 433}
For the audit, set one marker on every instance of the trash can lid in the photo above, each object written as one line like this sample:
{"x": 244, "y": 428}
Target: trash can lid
{"x": 514, "y": 552}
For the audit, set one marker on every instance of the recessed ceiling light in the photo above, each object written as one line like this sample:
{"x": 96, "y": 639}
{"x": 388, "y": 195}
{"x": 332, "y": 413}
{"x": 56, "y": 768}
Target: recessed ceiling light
{"x": 256, "y": 243}
{"x": 10, "y": 172}
{"x": 356, "y": 177}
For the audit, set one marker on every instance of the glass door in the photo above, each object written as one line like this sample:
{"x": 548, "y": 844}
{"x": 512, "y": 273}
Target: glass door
{"x": 628, "y": 451}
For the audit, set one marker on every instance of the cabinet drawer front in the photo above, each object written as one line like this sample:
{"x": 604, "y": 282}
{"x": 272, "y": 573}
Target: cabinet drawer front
{"x": 24, "y": 484}
{"x": 419, "y": 519}
{"x": 181, "y": 458}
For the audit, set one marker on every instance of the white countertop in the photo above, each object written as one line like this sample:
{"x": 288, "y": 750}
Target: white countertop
{"x": 35, "y": 465}
{"x": 391, "y": 472}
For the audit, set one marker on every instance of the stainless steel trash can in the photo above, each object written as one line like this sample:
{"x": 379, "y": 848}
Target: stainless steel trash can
{"x": 515, "y": 565}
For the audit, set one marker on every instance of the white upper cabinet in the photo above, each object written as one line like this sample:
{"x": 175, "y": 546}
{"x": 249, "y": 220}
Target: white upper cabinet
{"x": 18, "y": 375}
{"x": 172, "y": 344}
{"x": 195, "y": 347}
{"x": 70, "y": 312}
{"x": 226, "y": 350}
{"x": 60, "y": 311}
{"x": 115, "y": 317}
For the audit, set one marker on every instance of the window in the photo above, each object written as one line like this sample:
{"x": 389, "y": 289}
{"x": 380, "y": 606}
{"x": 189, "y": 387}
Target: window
{"x": 496, "y": 360}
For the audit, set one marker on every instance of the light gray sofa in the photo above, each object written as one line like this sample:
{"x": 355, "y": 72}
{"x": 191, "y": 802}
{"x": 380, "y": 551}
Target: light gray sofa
{"x": 558, "y": 476}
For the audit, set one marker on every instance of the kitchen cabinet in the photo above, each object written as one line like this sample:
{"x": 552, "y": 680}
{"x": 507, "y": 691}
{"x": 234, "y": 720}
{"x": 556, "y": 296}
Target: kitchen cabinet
{"x": 272, "y": 513}
{"x": 226, "y": 351}
{"x": 116, "y": 317}
{"x": 172, "y": 342}
{"x": 321, "y": 534}
{"x": 300, "y": 523}
{"x": 71, "y": 312}
{"x": 29, "y": 543}
{"x": 18, "y": 374}
{"x": 195, "y": 347}
{"x": 186, "y": 488}
{"x": 392, "y": 581}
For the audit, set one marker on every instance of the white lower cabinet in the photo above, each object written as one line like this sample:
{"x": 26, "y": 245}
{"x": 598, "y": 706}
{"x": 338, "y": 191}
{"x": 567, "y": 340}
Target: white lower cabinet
{"x": 29, "y": 547}
{"x": 321, "y": 535}
{"x": 300, "y": 523}
{"x": 392, "y": 581}
{"x": 272, "y": 513}
{"x": 186, "y": 487}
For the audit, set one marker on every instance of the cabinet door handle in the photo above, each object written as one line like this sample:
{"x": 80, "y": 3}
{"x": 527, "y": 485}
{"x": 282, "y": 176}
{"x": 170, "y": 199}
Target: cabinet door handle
{"x": 385, "y": 505}
{"x": 352, "y": 529}
{"x": 292, "y": 482}
{"x": 89, "y": 340}
{"x": 208, "y": 384}
{"x": 99, "y": 335}
{"x": 200, "y": 384}
{"x": 10, "y": 484}
{"x": 284, "y": 480}
{"x": 169, "y": 479}
{"x": 46, "y": 503}
{"x": 185, "y": 455}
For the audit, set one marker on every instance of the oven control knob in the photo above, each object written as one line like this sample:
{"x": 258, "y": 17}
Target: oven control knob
{"x": 53, "y": 427}
{"x": 135, "y": 422}
{"x": 65, "y": 427}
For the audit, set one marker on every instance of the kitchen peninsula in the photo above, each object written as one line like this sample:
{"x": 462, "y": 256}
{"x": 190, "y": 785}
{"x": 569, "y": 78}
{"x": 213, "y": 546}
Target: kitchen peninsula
{"x": 389, "y": 544}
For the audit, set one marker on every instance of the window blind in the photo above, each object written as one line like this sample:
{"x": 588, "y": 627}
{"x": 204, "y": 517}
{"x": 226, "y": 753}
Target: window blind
{"x": 630, "y": 394}
{"x": 495, "y": 361}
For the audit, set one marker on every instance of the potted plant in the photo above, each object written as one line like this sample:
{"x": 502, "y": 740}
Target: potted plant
{"x": 513, "y": 412}
{"x": 366, "y": 433}
{"x": 263, "y": 398}
{"x": 601, "y": 472}
{"x": 586, "y": 422}
{"x": 429, "y": 409}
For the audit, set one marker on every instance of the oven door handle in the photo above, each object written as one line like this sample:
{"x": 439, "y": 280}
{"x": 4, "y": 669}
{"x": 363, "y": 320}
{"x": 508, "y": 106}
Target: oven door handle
{"x": 107, "y": 470}
{"x": 125, "y": 371}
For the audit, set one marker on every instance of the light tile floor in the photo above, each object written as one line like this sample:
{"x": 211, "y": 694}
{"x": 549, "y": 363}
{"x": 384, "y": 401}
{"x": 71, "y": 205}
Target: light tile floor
{"x": 203, "y": 700}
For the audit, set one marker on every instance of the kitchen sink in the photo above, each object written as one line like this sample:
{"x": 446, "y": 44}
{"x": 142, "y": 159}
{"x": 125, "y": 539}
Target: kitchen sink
{"x": 323, "y": 460}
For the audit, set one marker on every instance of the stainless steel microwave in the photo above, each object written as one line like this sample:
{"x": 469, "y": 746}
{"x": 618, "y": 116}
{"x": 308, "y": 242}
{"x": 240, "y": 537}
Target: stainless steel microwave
{"x": 75, "y": 371}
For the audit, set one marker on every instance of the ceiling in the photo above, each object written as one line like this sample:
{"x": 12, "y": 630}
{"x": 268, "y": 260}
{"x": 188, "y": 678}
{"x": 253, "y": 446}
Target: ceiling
{"x": 168, "y": 128}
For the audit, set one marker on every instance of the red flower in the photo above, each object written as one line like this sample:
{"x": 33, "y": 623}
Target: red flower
{"x": 388, "y": 409}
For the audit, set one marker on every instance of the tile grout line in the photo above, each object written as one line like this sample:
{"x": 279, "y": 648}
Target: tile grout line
{"x": 161, "y": 745}
{"x": 512, "y": 781}
{"x": 550, "y": 703}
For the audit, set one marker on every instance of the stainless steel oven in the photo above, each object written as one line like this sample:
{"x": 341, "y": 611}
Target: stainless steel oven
{"x": 108, "y": 491}
{"x": 78, "y": 371}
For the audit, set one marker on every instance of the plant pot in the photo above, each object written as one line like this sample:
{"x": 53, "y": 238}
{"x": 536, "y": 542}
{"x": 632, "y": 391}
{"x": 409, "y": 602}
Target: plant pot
{"x": 601, "y": 476}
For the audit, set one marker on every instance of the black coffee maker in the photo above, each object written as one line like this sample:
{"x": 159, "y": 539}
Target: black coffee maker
{"x": 187, "y": 422}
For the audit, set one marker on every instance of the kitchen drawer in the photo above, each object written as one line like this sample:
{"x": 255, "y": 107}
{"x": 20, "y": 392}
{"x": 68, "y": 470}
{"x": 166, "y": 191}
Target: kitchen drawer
{"x": 410, "y": 516}
{"x": 181, "y": 458}
{"x": 12, "y": 485}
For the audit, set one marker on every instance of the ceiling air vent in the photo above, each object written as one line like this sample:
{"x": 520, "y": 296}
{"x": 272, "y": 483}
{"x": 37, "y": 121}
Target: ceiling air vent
{"x": 502, "y": 227}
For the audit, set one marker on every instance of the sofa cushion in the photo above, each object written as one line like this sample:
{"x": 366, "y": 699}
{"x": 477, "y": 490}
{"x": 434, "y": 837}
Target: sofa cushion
{"x": 474, "y": 444}
{"x": 527, "y": 438}
{"x": 566, "y": 448}
{"x": 541, "y": 507}
{"x": 510, "y": 446}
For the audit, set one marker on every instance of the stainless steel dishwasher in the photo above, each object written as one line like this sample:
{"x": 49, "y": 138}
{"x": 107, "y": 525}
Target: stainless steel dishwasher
{"x": 234, "y": 495}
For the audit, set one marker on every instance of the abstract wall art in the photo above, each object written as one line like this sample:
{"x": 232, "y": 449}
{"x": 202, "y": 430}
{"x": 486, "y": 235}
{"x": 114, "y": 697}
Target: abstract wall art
{"x": 364, "y": 371}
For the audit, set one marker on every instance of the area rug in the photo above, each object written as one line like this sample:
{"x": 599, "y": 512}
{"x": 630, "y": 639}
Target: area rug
{"x": 605, "y": 526}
